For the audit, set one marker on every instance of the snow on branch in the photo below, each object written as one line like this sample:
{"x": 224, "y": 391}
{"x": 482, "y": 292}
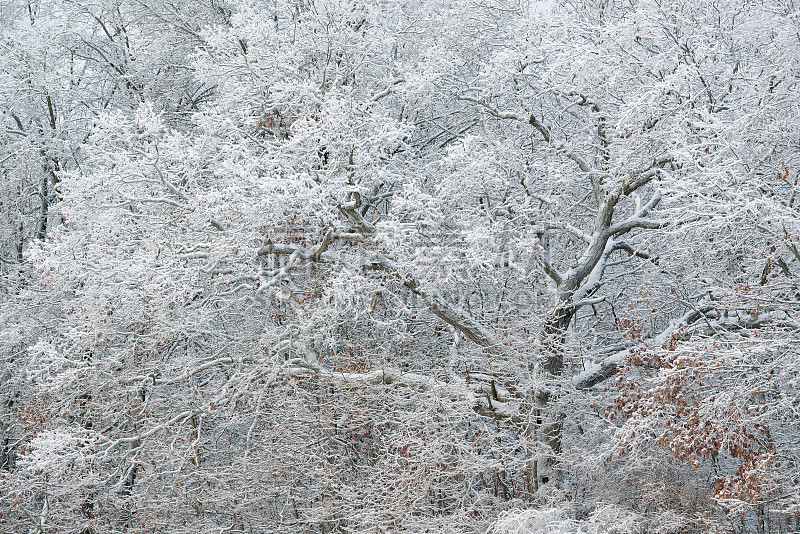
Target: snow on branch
{"x": 446, "y": 311}
{"x": 687, "y": 325}
{"x": 488, "y": 398}
{"x": 608, "y": 367}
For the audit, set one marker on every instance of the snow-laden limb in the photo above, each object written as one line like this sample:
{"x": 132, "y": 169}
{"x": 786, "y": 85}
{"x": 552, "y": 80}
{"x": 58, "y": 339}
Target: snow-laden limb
{"x": 460, "y": 319}
{"x": 687, "y": 325}
{"x": 605, "y": 369}
{"x": 111, "y": 444}
{"x": 386, "y": 92}
{"x": 742, "y": 320}
{"x": 485, "y": 396}
{"x": 439, "y": 305}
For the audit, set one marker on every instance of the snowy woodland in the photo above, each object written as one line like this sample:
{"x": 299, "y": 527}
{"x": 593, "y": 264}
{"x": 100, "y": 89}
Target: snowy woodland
{"x": 366, "y": 266}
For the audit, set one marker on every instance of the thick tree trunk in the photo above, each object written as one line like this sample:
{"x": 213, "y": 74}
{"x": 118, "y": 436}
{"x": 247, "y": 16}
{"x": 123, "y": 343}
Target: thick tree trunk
{"x": 549, "y": 424}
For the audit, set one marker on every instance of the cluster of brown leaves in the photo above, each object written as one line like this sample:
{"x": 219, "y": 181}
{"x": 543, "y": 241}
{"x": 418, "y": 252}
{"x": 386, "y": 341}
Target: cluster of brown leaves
{"x": 681, "y": 395}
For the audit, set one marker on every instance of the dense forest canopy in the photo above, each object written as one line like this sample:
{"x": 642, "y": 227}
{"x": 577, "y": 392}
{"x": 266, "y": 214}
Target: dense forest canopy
{"x": 326, "y": 266}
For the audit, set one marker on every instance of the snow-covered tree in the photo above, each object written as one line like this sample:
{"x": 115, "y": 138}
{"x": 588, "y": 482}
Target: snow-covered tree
{"x": 347, "y": 266}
